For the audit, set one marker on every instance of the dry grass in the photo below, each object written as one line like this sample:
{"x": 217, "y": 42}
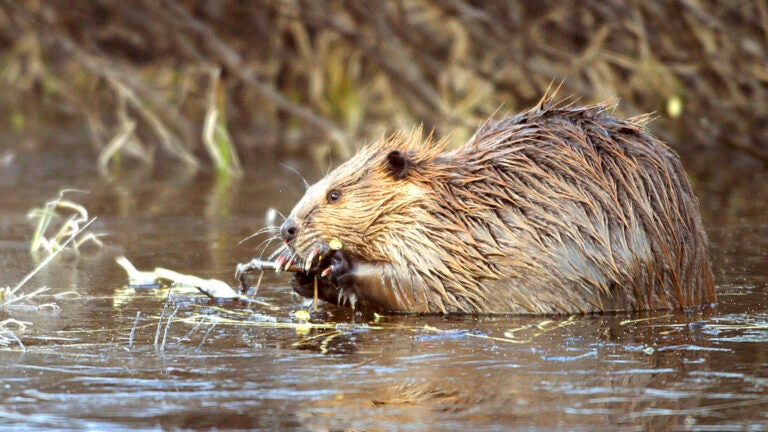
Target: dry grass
{"x": 62, "y": 225}
{"x": 181, "y": 75}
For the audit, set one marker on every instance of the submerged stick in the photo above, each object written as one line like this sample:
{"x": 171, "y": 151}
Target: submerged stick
{"x": 258, "y": 264}
{"x": 255, "y": 289}
{"x": 167, "y": 326}
{"x": 206, "y": 336}
{"x": 16, "y": 338}
{"x": 283, "y": 264}
{"x": 160, "y": 325}
{"x": 133, "y": 331}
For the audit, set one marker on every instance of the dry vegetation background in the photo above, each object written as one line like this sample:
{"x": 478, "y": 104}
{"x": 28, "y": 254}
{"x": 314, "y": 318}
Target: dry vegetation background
{"x": 173, "y": 78}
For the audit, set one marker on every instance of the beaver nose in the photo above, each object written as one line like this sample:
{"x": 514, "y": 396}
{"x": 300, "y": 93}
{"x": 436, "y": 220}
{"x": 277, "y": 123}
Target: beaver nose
{"x": 289, "y": 230}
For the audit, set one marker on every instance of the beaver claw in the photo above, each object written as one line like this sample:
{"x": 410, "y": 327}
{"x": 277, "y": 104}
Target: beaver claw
{"x": 339, "y": 269}
{"x": 329, "y": 281}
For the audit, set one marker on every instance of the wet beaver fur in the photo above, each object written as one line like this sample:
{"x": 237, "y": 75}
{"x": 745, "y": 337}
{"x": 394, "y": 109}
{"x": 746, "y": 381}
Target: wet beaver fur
{"x": 560, "y": 209}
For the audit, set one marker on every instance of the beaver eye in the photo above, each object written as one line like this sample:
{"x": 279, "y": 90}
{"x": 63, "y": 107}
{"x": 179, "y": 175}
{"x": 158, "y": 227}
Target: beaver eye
{"x": 333, "y": 196}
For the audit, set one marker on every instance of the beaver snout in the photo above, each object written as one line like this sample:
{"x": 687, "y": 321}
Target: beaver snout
{"x": 289, "y": 230}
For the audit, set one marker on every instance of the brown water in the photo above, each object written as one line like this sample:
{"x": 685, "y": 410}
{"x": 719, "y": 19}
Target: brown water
{"x": 230, "y": 366}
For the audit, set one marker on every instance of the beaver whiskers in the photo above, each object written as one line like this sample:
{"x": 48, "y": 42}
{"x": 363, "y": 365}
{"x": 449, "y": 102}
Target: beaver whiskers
{"x": 268, "y": 229}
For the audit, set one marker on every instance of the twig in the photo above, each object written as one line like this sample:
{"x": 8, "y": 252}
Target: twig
{"x": 133, "y": 331}
{"x": 13, "y": 335}
{"x": 189, "y": 333}
{"x": 159, "y": 325}
{"x": 199, "y": 347}
{"x": 314, "y": 298}
{"x": 251, "y": 300}
{"x": 167, "y": 327}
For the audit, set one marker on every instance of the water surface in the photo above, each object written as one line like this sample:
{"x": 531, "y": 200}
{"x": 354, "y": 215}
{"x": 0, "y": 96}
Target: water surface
{"x": 95, "y": 365}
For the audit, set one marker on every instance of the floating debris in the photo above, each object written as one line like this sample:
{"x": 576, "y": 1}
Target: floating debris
{"x": 137, "y": 278}
{"x": 213, "y": 288}
{"x": 302, "y": 315}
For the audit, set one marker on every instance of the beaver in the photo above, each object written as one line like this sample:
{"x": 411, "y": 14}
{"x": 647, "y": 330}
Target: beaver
{"x": 560, "y": 209}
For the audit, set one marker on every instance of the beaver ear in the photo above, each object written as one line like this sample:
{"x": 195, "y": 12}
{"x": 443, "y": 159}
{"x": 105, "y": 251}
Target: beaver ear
{"x": 398, "y": 164}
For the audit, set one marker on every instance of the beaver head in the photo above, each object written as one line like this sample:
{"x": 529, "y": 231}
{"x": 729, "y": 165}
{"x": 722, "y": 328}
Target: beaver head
{"x": 364, "y": 203}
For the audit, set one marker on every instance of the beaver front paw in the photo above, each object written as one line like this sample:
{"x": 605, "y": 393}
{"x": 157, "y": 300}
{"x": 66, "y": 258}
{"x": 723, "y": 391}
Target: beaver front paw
{"x": 304, "y": 285}
{"x": 339, "y": 270}
{"x": 337, "y": 273}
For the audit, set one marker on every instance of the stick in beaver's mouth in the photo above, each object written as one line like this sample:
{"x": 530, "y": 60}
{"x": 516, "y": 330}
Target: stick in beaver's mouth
{"x": 281, "y": 263}
{"x": 277, "y": 266}
{"x": 258, "y": 264}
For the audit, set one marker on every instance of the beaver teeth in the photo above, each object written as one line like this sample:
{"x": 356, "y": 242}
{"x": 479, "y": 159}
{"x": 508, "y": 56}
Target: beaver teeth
{"x": 310, "y": 258}
{"x": 279, "y": 262}
{"x": 290, "y": 262}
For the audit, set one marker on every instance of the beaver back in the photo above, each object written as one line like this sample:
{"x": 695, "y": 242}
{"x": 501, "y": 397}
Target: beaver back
{"x": 570, "y": 209}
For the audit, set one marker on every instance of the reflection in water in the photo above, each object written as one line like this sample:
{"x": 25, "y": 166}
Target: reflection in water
{"x": 232, "y": 365}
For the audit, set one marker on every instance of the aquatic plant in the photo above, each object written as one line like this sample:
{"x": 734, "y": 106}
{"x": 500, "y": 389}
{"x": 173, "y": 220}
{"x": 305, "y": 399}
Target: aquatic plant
{"x": 73, "y": 220}
{"x": 69, "y": 234}
{"x": 216, "y": 137}
{"x": 61, "y": 226}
